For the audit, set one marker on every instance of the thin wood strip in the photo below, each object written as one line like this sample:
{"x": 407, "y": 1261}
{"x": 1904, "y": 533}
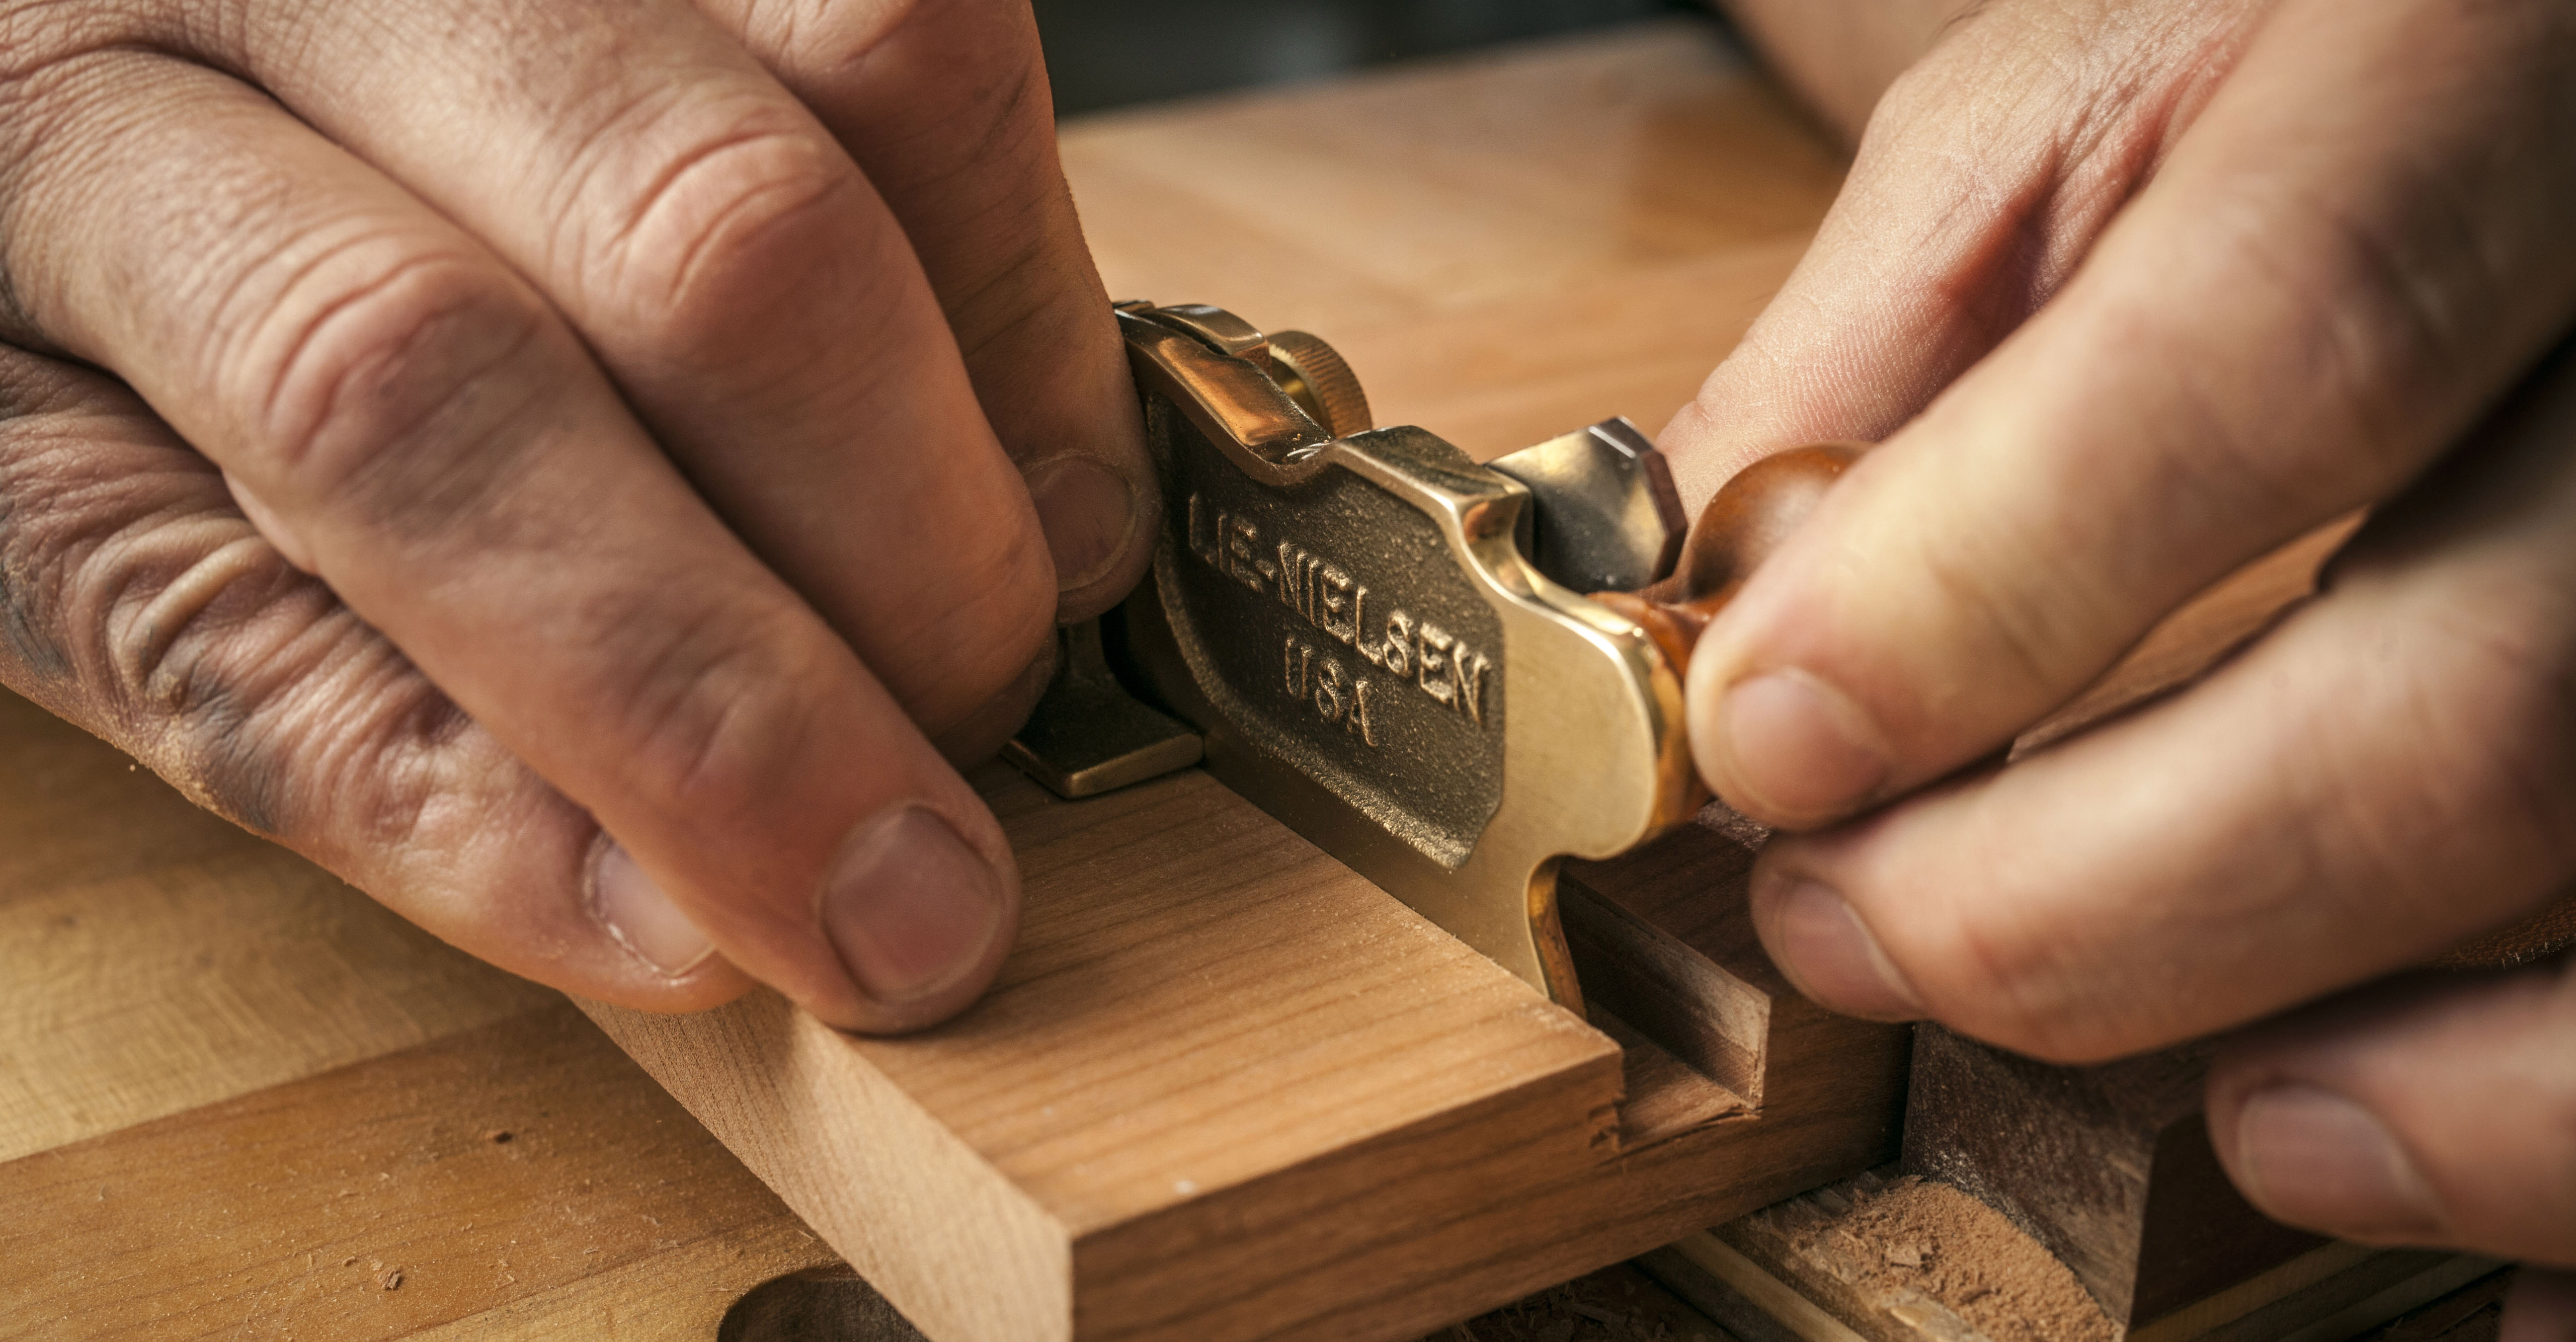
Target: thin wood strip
{"x": 2357, "y": 1299}
{"x": 2254, "y": 1293}
{"x": 2414, "y": 1293}
{"x": 1774, "y": 1297}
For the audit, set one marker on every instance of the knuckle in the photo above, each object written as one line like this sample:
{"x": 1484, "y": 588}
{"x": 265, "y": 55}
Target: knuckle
{"x": 35, "y": 35}
{"x": 40, "y": 463}
{"x": 825, "y": 42}
{"x": 1979, "y": 68}
{"x": 1921, "y": 94}
{"x": 373, "y": 353}
{"x": 722, "y": 230}
{"x": 209, "y": 638}
{"x": 2490, "y": 720}
{"x": 2384, "y": 341}
{"x": 263, "y": 699}
{"x": 367, "y": 747}
{"x": 141, "y": 607}
{"x": 820, "y": 36}
{"x": 1991, "y": 952}
{"x": 719, "y": 712}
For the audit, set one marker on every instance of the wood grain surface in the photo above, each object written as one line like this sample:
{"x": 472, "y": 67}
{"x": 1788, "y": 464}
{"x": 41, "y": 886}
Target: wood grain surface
{"x": 1504, "y": 246}
{"x": 2108, "y": 1166}
{"x": 1226, "y": 1089}
{"x": 240, "y": 1099}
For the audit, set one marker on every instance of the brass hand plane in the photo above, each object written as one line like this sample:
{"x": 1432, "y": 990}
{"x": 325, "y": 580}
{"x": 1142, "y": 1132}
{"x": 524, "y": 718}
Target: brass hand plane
{"x": 1450, "y": 676}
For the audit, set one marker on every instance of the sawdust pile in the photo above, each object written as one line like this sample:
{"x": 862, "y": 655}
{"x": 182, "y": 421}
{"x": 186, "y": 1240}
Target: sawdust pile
{"x": 1932, "y": 1238}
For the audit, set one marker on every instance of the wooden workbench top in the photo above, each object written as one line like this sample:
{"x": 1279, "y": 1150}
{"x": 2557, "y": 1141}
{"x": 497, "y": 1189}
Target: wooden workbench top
{"x": 238, "y": 1098}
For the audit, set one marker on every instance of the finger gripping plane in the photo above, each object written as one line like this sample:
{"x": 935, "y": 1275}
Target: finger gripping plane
{"x": 1443, "y": 673}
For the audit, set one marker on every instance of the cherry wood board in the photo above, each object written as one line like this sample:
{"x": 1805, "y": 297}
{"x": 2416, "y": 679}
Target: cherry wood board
{"x": 1227, "y": 1089}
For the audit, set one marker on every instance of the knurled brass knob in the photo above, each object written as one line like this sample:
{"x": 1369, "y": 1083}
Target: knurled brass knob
{"x": 1320, "y": 382}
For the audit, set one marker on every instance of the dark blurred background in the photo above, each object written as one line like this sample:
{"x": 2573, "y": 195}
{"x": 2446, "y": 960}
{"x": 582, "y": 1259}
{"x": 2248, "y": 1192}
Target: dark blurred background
{"x": 1108, "y": 53}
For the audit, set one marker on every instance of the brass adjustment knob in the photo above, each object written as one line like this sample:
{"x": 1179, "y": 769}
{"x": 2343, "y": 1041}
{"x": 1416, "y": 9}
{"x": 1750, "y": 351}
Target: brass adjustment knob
{"x": 1736, "y": 531}
{"x": 1319, "y": 382}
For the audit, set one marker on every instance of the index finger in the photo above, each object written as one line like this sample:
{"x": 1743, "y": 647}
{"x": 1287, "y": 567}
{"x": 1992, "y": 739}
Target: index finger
{"x": 730, "y": 267}
{"x": 2345, "y": 260}
{"x": 946, "y": 106}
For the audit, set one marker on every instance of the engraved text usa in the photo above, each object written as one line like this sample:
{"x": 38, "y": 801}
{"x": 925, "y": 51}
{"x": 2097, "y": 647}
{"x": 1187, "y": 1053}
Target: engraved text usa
{"x": 1329, "y": 598}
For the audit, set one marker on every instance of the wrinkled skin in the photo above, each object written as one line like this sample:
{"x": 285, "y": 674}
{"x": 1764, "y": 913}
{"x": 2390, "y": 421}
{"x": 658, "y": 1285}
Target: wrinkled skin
{"x": 579, "y": 469}
{"x": 2134, "y": 292}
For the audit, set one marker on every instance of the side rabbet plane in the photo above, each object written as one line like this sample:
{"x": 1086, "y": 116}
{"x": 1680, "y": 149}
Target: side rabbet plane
{"x": 1449, "y": 676}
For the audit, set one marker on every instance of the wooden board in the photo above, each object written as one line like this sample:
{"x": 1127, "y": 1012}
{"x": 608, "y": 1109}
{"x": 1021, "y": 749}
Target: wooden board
{"x": 1227, "y": 1089}
{"x": 237, "y": 1097}
{"x": 1504, "y": 246}
{"x": 2109, "y": 1166}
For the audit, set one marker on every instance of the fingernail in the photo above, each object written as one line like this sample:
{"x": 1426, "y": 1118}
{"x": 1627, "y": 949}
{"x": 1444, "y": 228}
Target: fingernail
{"x": 1087, "y": 511}
{"x": 1825, "y": 947}
{"x": 641, "y": 917}
{"x": 912, "y": 907}
{"x": 1799, "y": 748}
{"x": 2311, "y": 1156}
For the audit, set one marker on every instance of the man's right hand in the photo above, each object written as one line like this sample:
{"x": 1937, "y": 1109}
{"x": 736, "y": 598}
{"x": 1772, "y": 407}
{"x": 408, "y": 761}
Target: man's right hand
{"x": 617, "y": 372}
{"x": 2136, "y": 292}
